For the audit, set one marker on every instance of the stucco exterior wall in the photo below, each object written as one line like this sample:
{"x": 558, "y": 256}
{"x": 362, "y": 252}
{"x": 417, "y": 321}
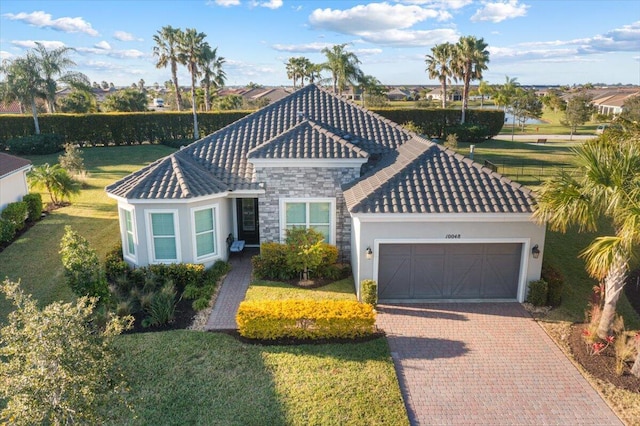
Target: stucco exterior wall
{"x": 185, "y": 230}
{"x": 13, "y": 187}
{"x": 304, "y": 182}
{"x": 371, "y": 232}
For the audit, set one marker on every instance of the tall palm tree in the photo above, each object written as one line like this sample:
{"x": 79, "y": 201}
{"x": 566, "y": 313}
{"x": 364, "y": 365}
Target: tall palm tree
{"x": 54, "y": 65}
{"x": 343, "y": 66}
{"x": 166, "y": 49}
{"x": 469, "y": 60}
{"x": 294, "y": 70}
{"x": 439, "y": 66}
{"x": 484, "y": 89}
{"x": 191, "y": 51}
{"x": 606, "y": 185}
{"x": 24, "y": 80}
{"x": 504, "y": 93}
{"x": 212, "y": 73}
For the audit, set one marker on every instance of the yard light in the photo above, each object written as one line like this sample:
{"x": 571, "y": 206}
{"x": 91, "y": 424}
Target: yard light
{"x": 535, "y": 252}
{"x": 369, "y": 253}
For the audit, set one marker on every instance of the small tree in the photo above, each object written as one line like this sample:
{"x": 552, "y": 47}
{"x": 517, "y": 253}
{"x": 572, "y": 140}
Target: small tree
{"x": 579, "y": 110}
{"x": 57, "y": 367}
{"x": 305, "y": 250}
{"x": 82, "y": 266}
{"x": 56, "y": 180}
{"x": 72, "y": 160}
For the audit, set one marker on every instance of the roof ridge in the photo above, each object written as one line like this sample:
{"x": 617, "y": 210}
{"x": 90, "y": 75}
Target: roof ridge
{"x": 178, "y": 171}
{"x": 339, "y": 139}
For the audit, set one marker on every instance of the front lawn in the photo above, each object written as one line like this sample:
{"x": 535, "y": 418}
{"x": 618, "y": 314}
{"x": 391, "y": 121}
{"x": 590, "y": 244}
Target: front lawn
{"x": 187, "y": 377}
{"x": 274, "y": 290}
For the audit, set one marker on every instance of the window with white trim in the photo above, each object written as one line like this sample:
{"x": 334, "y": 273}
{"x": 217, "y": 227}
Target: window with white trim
{"x": 129, "y": 233}
{"x": 318, "y": 214}
{"x": 204, "y": 227}
{"x": 164, "y": 237}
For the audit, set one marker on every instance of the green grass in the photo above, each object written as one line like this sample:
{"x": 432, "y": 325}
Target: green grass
{"x": 186, "y": 377}
{"x": 273, "y": 290}
{"x": 34, "y": 257}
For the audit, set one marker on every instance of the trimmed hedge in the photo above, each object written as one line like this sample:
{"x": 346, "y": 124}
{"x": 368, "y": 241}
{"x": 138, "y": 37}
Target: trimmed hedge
{"x": 7, "y": 231}
{"x": 16, "y": 213}
{"x": 305, "y": 319}
{"x": 118, "y": 128}
{"x": 34, "y": 206}
{"x": 538, "y": 292}
{"x": 176, "y": 128}
{"x": 369, "y": 291}
{"x": 42, "y": 144}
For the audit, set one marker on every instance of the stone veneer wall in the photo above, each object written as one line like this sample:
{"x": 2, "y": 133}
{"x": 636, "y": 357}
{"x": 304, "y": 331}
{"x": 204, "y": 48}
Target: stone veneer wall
{"x": 304, "y": 182}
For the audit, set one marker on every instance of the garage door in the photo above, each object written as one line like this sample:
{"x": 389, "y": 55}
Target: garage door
{"x": 448, "y": 271}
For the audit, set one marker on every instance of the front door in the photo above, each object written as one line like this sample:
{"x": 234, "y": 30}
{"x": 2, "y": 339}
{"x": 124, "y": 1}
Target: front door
{"x": 248, "y": 229}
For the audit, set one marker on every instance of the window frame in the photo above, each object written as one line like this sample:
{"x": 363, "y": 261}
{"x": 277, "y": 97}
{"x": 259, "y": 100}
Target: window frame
{"x": 216, "y": 234}
{"x": 307, "y": 201}
{"x": 151, "y": 238}
{"x": 124, "y": 232}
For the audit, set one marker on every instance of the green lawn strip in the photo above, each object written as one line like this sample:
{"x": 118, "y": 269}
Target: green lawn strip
{"x": 185, "y": 377}
{"x": 34, "y": 257}
{"x": 273, "y": 290}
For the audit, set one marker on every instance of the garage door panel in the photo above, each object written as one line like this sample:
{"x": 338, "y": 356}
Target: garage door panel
{"x": 449, "y": 271}
{"x": 427, "y": 273}
{"x": 394, "y": 278}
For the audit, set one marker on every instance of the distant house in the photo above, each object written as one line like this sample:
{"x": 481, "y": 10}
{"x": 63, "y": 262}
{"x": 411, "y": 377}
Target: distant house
{"x": 397, "y": 94}
{"x": 613, "y": 104}
{"x": 421, "y": 220}
{"x": 13, "y": 179}
{"x": 11, "y": 108}
{"x": 452, "y": 95}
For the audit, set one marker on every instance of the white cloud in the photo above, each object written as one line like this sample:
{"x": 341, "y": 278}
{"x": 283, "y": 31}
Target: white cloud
{"x": 301, "y": 48}
{"x": 125, "y": 36}
{"x": 373, "y": 17}
{"x": 121, "y": 54}
{"x": 367, "y": 52}
{"x": 411, "y": 38}
{"x": 244, "y": 69}
{"x": 48, "y": 44}
{"x": 6, "y": 55}
{"x": 443, "y": 4}
{"x": 270, "y": 4}
{"x": 227, "y": 3}
{"x": 103, "y": 45}
{"x": 499, "y": 11}
{"x": 41, "y": 19}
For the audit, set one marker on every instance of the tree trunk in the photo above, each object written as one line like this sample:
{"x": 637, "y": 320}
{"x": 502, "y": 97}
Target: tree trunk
{"x": 196, "y": 134}
{"x": 444, "y": 94}
{"x": 34, "y": 110}
{"x": 174, "y": 75}
{"x": 613, "y": 285}
{"x": 207, "y": 103}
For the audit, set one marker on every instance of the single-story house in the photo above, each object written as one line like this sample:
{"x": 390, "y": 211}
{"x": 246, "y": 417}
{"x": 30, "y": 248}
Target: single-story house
{"x": 421, "y": 220}
{"x": 13, "y": 179}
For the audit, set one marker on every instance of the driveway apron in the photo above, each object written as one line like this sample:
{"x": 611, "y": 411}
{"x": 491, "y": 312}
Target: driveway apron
{"x": 485, "y": 363}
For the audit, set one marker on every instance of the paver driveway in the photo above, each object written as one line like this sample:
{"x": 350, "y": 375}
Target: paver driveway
{"x": 485, "y": 363}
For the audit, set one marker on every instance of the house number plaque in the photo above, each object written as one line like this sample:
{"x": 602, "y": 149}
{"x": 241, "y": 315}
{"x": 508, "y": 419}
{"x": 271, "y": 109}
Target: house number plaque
{"x": 453, "y": 236}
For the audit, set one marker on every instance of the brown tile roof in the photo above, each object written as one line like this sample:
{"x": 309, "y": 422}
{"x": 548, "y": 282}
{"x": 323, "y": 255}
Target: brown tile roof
{"x": 425, "y": 178}
{"x": 10, "y": 108}
{"x": 10, "y": 164}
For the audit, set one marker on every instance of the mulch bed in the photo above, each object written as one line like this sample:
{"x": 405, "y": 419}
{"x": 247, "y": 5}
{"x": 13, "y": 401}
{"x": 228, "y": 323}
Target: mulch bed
{"x": 603, "y": 365}
{"x": 183, "y": 319}
{"x": 290, "y": 342}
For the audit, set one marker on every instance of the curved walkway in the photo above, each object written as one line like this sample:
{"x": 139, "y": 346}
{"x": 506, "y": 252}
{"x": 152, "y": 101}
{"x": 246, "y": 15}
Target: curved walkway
{"x": 485, "y": 363}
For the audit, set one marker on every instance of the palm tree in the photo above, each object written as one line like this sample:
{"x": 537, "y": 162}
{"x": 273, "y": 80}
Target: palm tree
{"x": 504, "y": 93}
{"x": 470, "y": 58}
{"x": 24, "y": 80}
{"x": 294, "y": 70}
{"x": 439, "y": 66}
{"x": 343, "y": 66}
{"x": 605, "y": 186}
{"x": 54, "y": 63}
{"x": 312, "y": 72}
{"x": 306, "y": 68}
{"x": 369, "y": 85}
{"x": 166, "y": 49}
{"x": 484, "y": 89}
{"x": 212, "y": 73}
{"x": 191, "y": 51}
{"x": 56, "y": 180}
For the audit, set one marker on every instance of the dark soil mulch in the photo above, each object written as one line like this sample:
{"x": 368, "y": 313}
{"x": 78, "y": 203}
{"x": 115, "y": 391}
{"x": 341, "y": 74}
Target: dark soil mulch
{"x": 603, "y": 365}
{"x": 632, "y": 290}
{"x": 312, "y": 283}
{"x": 289, "y": 342}
{"x": 184, "y": 315}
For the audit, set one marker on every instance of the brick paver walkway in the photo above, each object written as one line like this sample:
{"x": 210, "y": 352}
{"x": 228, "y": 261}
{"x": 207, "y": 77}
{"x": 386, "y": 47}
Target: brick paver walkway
{"x": 234, "y": 287}
{"x": 485, "y": 363}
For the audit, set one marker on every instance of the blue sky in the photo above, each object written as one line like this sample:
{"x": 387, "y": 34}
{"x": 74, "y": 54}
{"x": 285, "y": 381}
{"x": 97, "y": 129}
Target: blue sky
{"x": 535, "y": 41}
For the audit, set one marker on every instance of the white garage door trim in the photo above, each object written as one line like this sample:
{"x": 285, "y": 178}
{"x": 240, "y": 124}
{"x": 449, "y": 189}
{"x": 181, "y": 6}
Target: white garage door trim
{"x": 524, "y": 259}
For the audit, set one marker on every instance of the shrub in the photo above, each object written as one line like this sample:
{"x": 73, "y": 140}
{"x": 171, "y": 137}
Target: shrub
{"x": 471, "y": 133}
{"x": 555, "y": 281}
{"x": 81, "y": 266}
{"x": 162, "y": 308}
{"x": 7, "y": 231}
{"x": 369, "y": 291}
{"x": 538, "y": 291}
{"x": 182, "y": 274}
{"x": 72, "y": 159}
{"x": 45, "y": 143}
{"x": 305, "y": 319}
{"x": 115, "y": 268}
{"x": 200, "y": 304}
{"x": 271, "y": 263}
{"x": 34, "y": 206}
{"x": 16, "y": 213}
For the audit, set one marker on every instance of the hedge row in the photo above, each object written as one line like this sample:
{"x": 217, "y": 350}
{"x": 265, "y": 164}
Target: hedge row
{"x": 305, "y": 319}
{"x": 117, "y": 128}
{"x": 166, "y": 127}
